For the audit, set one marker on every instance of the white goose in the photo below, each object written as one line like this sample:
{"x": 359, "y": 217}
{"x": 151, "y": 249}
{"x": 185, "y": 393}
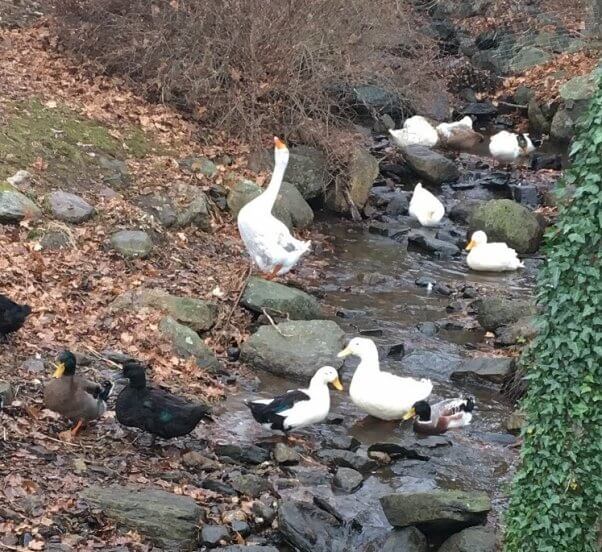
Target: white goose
{"x": 425, "y": 207}
{"x": 490, "y": 257}
{"x": 507, "y": 147}
{"x": 381, "y": 394}
{"x": 416, "y": 131}
{"x": 299, "y": 407}
{"x": 269, "y": 242}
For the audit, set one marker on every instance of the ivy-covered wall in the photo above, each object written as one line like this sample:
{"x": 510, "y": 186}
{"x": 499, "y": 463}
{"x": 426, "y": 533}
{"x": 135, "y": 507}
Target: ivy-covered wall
{"x": 556, "y": 500}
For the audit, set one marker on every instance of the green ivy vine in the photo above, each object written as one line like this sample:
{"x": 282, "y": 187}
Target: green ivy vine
{"x": 556, "y": 498}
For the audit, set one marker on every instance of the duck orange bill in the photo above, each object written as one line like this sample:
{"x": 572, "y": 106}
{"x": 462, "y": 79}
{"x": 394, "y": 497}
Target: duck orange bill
{"x": 59, "y": 370}
{"x": 409, "y": 414}
{"x": 470, "y": 245}
{"x": 337, "y": 384}
{"x": 278, "y": 143}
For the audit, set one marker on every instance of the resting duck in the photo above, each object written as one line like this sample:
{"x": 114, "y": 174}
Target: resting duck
{"x": 74, "y": 397}
{"x": 269, "y": 242}
{"x": 153, "y": 410}
{"x": 459, "y": 135}
{"x": 490, "y": 257}
{"x": 425, "y": 207}
{"x": 299, "y": 407}
{"x": 416, "y": 131}
{"x": 12, "y": 316}
{"x": 381, "y": 394}
{"x": 507, "y": 147}
{"x": 444, "y": 415}
{"x": 445, "y": 130}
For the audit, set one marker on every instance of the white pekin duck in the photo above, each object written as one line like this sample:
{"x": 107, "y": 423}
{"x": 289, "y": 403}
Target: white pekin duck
{"x": 416, "y": 131}
{"x": 380, "y": 394}
{"x": 490, "y": 257}
{"x": 299, "y": 407}
{"x": 269, "y": 242}
{"x": 507, "y": 147}
{"x": 425, "y": 207}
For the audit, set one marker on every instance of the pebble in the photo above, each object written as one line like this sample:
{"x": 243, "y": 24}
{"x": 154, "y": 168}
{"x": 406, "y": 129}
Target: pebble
{"x": 347, "y": 480}
{"x": 241, "y": 527}
{"x": 211, "y": 535}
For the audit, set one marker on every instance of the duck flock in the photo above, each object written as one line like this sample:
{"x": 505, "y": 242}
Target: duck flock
{"x": 275, "y": 251}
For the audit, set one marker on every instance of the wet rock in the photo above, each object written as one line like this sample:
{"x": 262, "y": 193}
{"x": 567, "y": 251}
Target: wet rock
{"x": 53, "y": 240}
{"x": 285, "y": 455}
{"x": 296, "y": 348}
{"x": 430, "y": 165}
{"x": 491, "y": 369}
{"x": 307, "y": 169}
{"x": 70, "y": 207}
{"x": 359, "y": 178}
{"x": 436, "y": 512}
{"x": 494, "y": 312}
{"x": 398, "y": 205}
{"x": 213, "y": 535}
{"x": 7, "y": 393}
{"x": 198, "y": 164}
{"x": 15, "y": 207}
{"x": 427, "y": 328}
{"x": 391, "y": 230}
{"x": 425, "y": 281}
{"x": 279, "y": 299}
{"x": 426, "y": 242}
{"x": 407, "y": 449}
{"x": 452, "y": 236}
{"x": 461, "y": 212}
{"x": 197, "y": 314}
{"x": 516, "y": 421}
{"x": 426, "y": 363}
{"x": 168, "y": 519}
{"x": 521, "y": 331}
{"x": 506, "y": 221}
{"x": 309, "y": 528}
{"x": 526, "y": 195}
{"x": 132, "y": 243}
{"x": 443, "y": 289}
{"x": 343, "y": 442}
{"x": 408, "y": 539}
{"x": 347, "y": 480}
{"x": 346, "y": 459}
{"x": 528, "y": 56}
{"x": 249, "y": 454}
{"x": 473, "y": 539}
{"x": 187, "y": 343}
{"x": 250, "y": 485}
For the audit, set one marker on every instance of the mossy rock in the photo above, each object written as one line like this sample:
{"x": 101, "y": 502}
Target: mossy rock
{"x": 503, "y": 220}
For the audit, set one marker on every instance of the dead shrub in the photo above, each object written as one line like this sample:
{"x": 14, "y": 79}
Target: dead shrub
{"x": 253, "y": 67}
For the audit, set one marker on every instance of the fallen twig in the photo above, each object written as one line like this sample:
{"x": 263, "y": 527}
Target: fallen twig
{"x": 271, "y": 320}
{"x": 103, "y": 358}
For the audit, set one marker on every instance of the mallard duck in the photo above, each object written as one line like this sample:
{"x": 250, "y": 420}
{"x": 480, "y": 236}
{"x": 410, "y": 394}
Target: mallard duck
{"x": 445, "y": 130}
{"x": 440, "y": 417}
{"x": 416, "y": 131}
{"x": 461, "y": 137}
{"x": 74, "y": 397}
{"x": 155, "y": 411}
{"x": 299, "y": 407}
{"x": 269, "y": 242}
{"x": 12, "y": 316}
{"x": 381, "y": 394}
{"x": 507, "y": 147}
{"x": 425, "y": 207}
{"x": 490, "y": 257}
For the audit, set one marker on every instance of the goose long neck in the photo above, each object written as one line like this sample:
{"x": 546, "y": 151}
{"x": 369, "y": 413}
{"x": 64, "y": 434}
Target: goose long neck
{"x": 271, "y": 192}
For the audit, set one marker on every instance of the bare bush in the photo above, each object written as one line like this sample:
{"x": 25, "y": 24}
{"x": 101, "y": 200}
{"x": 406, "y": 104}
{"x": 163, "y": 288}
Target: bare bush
{"x": 253, "y": 67}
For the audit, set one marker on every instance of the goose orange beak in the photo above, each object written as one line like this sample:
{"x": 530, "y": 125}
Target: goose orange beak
{"x": 278, "y": 143}
{"x": 470, "y": 245}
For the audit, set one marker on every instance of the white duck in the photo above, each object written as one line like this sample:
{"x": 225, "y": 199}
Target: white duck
{"x": 425, "y": 207}
{"x": 299, "y": 407}
{"x": 445, "y": 130}
{"x": 490, "y": 257}
{"x": 416, "y": 131}
{"x": 269, "y": 242}
{"x": 381, "y": 394}
{"x": 507, "y": 147}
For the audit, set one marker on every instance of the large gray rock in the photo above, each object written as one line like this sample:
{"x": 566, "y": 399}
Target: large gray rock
{"x": 307, "y": 169}
{"x": 168, "y": 519}
{"x": 132, "y": 243}
{"x": 504, "y": 220}
{"x": 69, "y": 207}
{"x": 579, "y": 88}
{"x": 436, "y": 512}
{"x": 15, "y": 207}
{"x": 494, "y": 312}
{"x": 473, "y": 539}
{"x": 296, "y": 348}
{"x": 563, "y": 124}
{"x": 521, "y": 331}
{"x": 430, "y": 165}
{"x": 301, "y": 214}
{"x": 187, "y": 343}
{"x": 160, "y": 208}
{"x": 528, "y": 56}
{"x": 538, "y": 122}
{"x": 359, "y": 177}
{"x": 409, "y": 539}
{"x": 491, "y": 369}
{"x": 197, "y": 314}
{"x": 425, "y": 241}
{"x": 280, "y": 299}
{"x": 196, "y": 213}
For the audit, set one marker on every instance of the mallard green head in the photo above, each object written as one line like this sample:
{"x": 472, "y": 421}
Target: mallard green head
{"x": 421, "y": 409}
{"x": 65, "y": 365}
